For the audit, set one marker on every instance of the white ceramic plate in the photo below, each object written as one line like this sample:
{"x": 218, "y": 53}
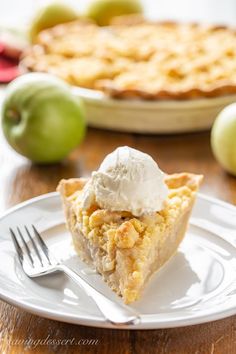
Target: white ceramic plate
{"x": 197, "y": 285}
{"x": 151, "y": 117}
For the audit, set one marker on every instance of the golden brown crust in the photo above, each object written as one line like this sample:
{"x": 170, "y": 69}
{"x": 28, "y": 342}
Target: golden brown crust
{"x": 67, "y": 187}
{"x": 194, "y": 93}
{"x": 177, "y": 180}
{"x": 140, "y": 59}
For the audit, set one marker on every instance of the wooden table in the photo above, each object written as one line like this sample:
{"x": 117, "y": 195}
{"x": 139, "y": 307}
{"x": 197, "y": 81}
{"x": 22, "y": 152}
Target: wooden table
{"x": 20, "y": 180}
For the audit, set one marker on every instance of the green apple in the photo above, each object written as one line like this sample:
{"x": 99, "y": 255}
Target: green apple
{"x": 41, "y": 119}
{"x": 50, "y": 16}
{"x": 102, "y": 11}
{"x": 223, "y": 138}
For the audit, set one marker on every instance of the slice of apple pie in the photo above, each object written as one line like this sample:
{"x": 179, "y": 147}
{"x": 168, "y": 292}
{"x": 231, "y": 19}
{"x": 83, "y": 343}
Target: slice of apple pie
{"x": 127, "y": 247}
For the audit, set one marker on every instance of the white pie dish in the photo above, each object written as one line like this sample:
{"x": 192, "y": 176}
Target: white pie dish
{"x": 151, "y": 117}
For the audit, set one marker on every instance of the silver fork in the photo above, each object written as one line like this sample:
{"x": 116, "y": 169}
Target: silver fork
{"x": 37, "y": 260}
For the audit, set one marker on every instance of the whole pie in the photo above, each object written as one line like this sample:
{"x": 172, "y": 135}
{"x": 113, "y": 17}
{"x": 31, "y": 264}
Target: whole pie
{"x": 126, "y": 250}
{"x": 139, "y": 59}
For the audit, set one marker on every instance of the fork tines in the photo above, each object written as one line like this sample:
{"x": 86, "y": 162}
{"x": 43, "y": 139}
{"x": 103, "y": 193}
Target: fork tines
{"x": 30, "y": 243}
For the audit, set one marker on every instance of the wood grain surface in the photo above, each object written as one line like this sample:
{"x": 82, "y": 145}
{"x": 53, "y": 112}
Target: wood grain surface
{"x": 20, "y": 180}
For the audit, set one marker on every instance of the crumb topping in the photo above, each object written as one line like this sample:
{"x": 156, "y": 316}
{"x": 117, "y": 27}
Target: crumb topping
{"x": 151, "y": 60}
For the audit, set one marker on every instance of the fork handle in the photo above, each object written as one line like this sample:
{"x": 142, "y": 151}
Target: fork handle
{"x": 113, "y": 312}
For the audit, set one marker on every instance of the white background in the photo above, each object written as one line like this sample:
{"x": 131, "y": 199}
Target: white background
{"x": 18, "y": 12}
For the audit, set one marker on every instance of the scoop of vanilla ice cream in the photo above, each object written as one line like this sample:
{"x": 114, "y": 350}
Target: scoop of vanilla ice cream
{"x": 127, "y": 180}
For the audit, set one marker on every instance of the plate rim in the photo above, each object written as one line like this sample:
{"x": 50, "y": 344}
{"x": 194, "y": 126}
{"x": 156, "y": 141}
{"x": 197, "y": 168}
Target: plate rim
{"x": 97, "y": 321}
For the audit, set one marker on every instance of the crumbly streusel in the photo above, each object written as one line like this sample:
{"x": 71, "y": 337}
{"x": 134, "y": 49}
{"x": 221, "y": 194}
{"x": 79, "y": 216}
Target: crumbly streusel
{"x": 144, "y": 59}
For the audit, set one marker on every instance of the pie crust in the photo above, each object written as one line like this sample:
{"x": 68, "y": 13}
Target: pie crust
{"x": 134, "y": 58}
{"x": 124, "y": 249}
